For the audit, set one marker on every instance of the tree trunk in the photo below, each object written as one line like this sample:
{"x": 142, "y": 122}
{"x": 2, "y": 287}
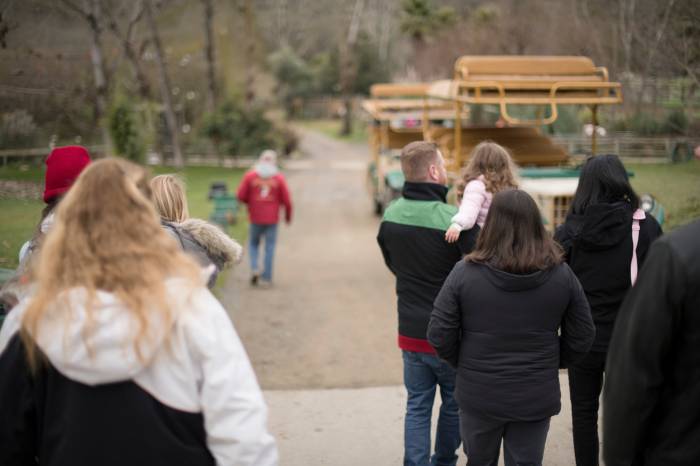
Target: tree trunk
{"x": 98, "y": 71}
{"x": 164, "y": 86}
{"x": 348, "y": 73}
{"x": 210, "y": 55}
{"x": 124, "y": 38}
{"x": 249, "y": 53}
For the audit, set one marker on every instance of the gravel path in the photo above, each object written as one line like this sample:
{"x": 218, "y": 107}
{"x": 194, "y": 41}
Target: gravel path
{"x": 330, "y": 319}
{"x": 323, "y": 340}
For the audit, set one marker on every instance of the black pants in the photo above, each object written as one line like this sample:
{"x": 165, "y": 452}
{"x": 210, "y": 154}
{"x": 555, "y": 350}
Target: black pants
{"x": 585, "y": 384}
{"x": 523, "y": 442}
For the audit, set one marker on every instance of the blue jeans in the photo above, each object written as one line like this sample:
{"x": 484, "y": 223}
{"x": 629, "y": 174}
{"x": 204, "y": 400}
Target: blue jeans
{"x": 269, "y": 233}
{"x": 422, "y": 373}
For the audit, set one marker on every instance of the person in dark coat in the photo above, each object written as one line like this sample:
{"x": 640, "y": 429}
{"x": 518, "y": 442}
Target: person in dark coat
{"x": 651, "y": 400}
{"x": 598, "y": 239}
{"x": 411, "y": 238}
{"x": 497, "y": 321}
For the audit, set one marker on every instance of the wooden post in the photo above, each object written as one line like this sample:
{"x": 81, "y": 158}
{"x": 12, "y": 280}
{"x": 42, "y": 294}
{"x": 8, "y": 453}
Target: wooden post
{"x": 458, "y": 137}
{"x": 426, "y": 121}
{"x": 594, "y": 135}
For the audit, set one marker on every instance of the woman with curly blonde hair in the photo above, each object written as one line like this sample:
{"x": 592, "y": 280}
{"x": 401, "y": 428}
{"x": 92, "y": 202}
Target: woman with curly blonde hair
{"x": 122, "y": 356}
{"x": 490, "y": 170}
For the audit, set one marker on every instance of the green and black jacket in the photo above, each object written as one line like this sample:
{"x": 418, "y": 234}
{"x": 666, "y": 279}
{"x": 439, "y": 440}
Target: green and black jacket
{"x": 412, "y": 240}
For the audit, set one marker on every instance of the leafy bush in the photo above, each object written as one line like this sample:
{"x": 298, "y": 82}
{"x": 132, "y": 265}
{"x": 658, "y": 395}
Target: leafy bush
{"x": 17, "y": 129}
{"x": 676, "y": 122}
{"x": 644, "y": 124}
{"x": 294, "y": 76}
{"x": 125, "y": 132}
{"x": 235, "y": 130}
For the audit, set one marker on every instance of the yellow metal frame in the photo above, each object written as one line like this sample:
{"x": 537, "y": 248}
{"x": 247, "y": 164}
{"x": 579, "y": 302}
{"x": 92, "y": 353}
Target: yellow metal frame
{"x": 528, "y": 91}
{"x": 609, "y": 93}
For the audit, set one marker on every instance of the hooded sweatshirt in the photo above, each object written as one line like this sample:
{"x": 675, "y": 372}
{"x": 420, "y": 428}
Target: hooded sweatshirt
{"x": 191, "y": 398}
{"x": 265, "y": 190}
{"x": 501, "y": 331}
{"x": 598, "y": 248}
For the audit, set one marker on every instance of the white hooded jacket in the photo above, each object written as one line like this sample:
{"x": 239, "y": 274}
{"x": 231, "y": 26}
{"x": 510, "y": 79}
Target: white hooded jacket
{"x": 198, "y": 365}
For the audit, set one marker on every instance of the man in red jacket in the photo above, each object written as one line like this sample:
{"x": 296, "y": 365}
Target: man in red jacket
{"x": 264, "y": 190}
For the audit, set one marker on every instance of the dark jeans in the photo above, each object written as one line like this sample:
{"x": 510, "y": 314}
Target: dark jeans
{"x": 269, "y": 234}
{"x": 523, "y": 442}
{"x": 422, "y": 373}
{"x": 585, "y": 384}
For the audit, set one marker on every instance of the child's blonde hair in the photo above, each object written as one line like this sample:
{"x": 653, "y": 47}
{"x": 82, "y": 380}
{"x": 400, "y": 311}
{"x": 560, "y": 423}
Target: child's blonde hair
{"x": 169, "y": 198}
{"x": 495, "y": 163}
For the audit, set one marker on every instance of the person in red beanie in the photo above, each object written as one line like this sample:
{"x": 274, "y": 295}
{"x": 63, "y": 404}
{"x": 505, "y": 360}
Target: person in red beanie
{"x": 63, "y": 166}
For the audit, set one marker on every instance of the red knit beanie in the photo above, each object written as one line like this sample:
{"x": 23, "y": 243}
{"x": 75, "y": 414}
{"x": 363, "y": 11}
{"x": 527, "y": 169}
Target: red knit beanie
{"x": 63, "y": 165}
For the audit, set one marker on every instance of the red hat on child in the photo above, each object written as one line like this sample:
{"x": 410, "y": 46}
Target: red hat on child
{"x": 63, "y": 165}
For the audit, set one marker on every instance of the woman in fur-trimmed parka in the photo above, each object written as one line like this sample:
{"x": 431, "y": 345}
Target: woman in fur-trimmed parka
{"x": 207, "y": 243}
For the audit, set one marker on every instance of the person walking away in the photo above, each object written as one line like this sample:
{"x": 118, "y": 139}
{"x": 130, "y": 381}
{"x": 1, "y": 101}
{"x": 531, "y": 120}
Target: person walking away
{"x": 411, "y": 238}
{"x": 207, "y": 243}
{"x": 489, "y": 171}
{"x": 496, "y": 321}
{"x": 605, "y": 238}
{"x": 652, "y": 386}
{"x": 123, "y": 356}
{"x": 264, "y": 190}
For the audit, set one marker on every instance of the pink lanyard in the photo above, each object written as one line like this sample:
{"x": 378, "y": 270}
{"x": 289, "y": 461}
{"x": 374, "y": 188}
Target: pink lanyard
{"x": 636, "y": 217}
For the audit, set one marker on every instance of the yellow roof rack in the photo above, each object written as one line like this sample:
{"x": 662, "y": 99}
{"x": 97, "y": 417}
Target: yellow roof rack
{"x": 404, "y": 100}
{"x": 531, "y": 80}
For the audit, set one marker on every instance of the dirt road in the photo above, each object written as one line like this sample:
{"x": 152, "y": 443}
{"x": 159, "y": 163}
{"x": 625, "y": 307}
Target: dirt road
{"x": 330, "y": 323}
{"x": 330, "y": 319}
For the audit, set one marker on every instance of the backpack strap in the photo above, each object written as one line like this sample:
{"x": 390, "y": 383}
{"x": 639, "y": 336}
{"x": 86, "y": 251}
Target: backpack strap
{"x": 636, "y": 217}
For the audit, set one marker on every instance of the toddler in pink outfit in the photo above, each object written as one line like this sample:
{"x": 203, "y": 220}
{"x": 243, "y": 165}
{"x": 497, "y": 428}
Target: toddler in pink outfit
{"x": 490, "y": 170}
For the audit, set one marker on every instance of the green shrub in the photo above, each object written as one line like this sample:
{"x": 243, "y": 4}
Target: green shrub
{"x": 644, "y": 124}
{"x": 124, "y": 128}
{"x": 235, "y": 130}
{"x": 676, "y": 122}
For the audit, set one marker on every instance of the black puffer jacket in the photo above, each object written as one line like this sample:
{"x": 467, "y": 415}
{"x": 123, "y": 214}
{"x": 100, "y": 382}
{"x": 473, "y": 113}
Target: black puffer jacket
{"x": 598, "y": 248}
{"x": 501, "y": 332}
{"x": 207, "y": 243}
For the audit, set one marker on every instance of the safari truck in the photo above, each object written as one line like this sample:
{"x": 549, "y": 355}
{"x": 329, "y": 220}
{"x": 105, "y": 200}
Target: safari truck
{"x": 506, "y": 82}
{"x": 399, "y": 114}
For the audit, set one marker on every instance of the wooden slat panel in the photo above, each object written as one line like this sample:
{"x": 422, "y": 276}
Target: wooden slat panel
{"x": 525, "y": 65}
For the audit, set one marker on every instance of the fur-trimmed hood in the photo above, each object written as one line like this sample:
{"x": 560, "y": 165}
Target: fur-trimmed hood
{"x": 215, "y": 241}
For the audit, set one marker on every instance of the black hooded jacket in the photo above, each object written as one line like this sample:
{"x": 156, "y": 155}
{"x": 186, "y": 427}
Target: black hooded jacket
{"x": 501, "y": 332}
{"x": 598, "y": 248}
{"x": 651, "y": 412}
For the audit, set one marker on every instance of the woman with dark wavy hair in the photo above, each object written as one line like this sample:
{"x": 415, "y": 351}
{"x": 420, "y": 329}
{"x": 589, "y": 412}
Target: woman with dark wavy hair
{"x": 605, "y": 238}
{"x": 497, "y": 320}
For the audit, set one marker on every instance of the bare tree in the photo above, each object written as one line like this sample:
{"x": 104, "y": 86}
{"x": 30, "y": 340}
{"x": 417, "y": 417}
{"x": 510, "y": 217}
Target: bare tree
{"x": 130, "y": 51}
{"x": 164, "y": 85}
{"x": 5, "y": 25}
{"x": 249, "y": 24}
{"x": 210, "y": 55}
{"x": 91, "y": 12}
{"x": 348, "y": 70}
